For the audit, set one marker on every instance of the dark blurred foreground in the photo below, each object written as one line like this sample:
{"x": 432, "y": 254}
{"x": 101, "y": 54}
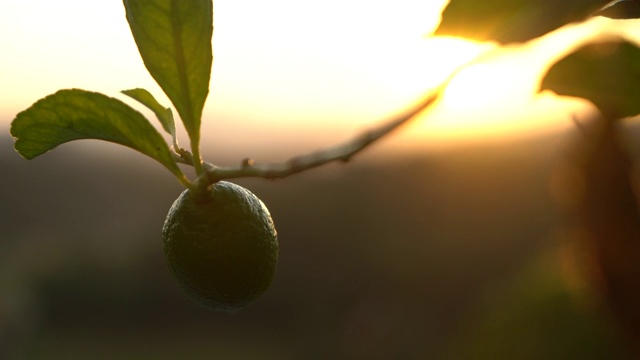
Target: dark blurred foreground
{"x": 446, "y": 255}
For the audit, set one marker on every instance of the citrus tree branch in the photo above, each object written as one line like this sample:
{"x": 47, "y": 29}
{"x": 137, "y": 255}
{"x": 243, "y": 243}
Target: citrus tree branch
{"x": 341, "y": 152}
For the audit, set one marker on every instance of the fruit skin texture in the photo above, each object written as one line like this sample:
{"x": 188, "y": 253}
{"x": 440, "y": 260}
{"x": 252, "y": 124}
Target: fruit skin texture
{"x": 222, "y": 248}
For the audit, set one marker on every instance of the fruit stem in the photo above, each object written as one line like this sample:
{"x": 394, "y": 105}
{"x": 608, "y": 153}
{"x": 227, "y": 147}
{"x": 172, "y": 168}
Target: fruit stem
{"x": 196, "y": 157}
{"x": 199, "y": 189}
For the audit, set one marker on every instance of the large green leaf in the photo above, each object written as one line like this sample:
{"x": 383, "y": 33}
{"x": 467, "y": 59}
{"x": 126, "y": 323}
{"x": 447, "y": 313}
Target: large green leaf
{"x": 78, "y": 114}
{"x": 512, "y": 20}
{"x": 605, "y": 73}
{"x": 174, "y": 40}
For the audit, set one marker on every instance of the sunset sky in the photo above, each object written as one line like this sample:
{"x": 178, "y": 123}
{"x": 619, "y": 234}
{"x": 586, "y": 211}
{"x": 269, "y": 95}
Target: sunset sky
{"x": 285, "y": 71}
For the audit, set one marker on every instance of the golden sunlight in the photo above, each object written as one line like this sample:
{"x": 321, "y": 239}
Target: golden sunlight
{"x": 483, "y": 87}
{"x": 480, "y": 96}
{"x": 497, "y": 94}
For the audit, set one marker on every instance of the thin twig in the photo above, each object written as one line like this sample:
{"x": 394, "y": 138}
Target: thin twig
{"x": 342, "y": 152}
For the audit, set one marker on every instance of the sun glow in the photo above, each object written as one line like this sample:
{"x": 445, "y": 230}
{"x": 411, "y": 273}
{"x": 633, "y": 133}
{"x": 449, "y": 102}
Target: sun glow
{"x": 497, "y": 94}
{"x": 485, "y": 96}
{"x": 484, "y": 87}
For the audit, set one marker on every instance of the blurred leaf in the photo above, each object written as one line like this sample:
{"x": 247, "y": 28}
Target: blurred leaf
{"x": 622, "y": 9}
{"x": 174, "y": 40}
{"x": 607, "y": 74}
{"x": 78, "y": 114}
{"x": 512, "y": 20}
{"x": 164, "y": 115}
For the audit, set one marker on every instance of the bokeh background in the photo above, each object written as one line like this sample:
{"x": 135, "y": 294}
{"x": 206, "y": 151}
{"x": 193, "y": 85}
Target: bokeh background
{"x": 443, "y": 241}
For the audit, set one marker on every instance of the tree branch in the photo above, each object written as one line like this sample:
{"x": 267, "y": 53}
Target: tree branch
{"x": 341, "y": 152}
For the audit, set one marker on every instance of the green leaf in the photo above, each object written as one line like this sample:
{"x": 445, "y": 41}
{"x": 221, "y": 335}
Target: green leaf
{"x": 78, "y": 114}
{"x": 164, "y": 114}
{"x": 174, "y": 40}
{"x": 508, "y": 21}
{"x": 605, "y": 73}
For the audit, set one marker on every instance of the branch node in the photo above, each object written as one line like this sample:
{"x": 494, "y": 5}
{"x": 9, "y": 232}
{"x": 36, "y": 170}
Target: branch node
{"x": 247, "y": 162}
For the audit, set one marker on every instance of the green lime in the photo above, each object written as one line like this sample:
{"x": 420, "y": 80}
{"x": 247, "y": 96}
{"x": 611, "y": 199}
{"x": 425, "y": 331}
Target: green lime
{"x": 222, "y": 248}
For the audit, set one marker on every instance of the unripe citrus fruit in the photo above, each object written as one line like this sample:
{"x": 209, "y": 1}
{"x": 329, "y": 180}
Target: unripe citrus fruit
{"x": 222, "y": 247}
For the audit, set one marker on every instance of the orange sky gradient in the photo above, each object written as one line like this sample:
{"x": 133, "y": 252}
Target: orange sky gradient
{"x": 291, "y": 73}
